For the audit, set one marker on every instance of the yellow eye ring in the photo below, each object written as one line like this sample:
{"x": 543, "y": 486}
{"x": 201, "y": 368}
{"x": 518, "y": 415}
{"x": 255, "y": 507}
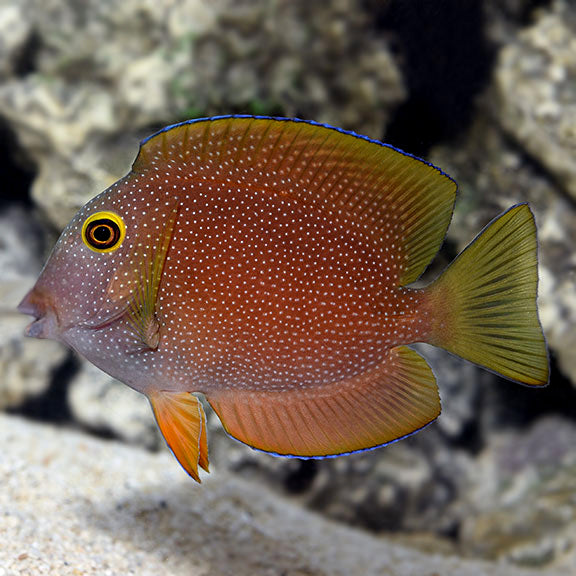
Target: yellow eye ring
{"x": 103, "y": 232}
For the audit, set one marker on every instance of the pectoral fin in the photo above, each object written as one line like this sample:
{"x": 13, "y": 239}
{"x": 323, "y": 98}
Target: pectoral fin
{"x": 137, "y": 282}
{"x": 182, "y": 421}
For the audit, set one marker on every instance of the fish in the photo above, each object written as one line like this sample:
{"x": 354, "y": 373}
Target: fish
{"x": 268, "y": 267}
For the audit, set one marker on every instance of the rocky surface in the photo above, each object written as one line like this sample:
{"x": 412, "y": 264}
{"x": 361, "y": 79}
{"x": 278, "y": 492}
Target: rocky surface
{"x": 83, "y": 82}
{"x": 536, "y": 92}
{"x": 105, "y": 406}
{"x": 26, "y": 366}
{"x": 503, "y": 19}
{"x": 523, "y": 504}
{"x": 71, "y": 504}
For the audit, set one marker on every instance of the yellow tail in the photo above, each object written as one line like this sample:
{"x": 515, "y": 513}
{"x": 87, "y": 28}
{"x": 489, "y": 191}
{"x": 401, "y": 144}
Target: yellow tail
{"x": 484, "y": 305}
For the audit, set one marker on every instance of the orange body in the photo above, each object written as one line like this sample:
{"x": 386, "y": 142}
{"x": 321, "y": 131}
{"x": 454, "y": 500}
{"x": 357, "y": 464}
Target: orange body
{"x": 259, "y": 292}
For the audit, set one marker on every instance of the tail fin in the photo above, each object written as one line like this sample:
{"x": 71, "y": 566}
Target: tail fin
{"x": 484, "y": 305}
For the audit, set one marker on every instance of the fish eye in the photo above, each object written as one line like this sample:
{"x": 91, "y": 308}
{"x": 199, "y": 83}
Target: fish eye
{"x": 103, "y": 231}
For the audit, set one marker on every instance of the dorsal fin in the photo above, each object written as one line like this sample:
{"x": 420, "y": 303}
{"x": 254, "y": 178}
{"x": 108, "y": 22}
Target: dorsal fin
{"x": 403, "y": 202}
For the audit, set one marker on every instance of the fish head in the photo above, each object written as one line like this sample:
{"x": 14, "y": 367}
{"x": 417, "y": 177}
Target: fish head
{"x": 99, "y": 277}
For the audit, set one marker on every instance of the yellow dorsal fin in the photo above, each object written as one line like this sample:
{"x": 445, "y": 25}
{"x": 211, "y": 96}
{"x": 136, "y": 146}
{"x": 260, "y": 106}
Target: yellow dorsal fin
{"x": 182, "y": 421}
{"x": 403, "y": 202}
{"x": 389, "y": 402}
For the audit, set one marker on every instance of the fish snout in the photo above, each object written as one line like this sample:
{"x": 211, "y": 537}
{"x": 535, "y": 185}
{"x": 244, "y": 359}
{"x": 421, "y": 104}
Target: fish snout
{"x": 37, "y": 305}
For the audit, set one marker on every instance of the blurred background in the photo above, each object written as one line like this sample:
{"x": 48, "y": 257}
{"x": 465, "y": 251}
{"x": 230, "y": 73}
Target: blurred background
{"x": 486, "y": 90}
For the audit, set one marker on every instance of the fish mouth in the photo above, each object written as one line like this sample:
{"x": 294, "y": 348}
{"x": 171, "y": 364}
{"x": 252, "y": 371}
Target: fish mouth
{"x": 45, "y": 323}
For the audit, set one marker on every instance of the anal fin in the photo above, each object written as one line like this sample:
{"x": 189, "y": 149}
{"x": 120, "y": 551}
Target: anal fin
{"x": 182, "y": 421}
{"x": 386, "y": 403}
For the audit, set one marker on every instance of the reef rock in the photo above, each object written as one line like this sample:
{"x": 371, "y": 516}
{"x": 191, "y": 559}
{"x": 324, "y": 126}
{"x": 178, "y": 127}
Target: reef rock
{"x": 72, "y": 504}
{"x": 107, "y": 407}
{"x": 90, "y": 79}
{"x": 536, "y": 92}
{"x": 26, "y": 365}
{"x": 523, "y": 506}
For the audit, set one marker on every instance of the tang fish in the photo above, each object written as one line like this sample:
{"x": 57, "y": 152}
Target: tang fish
{"x": 267, "y": 264}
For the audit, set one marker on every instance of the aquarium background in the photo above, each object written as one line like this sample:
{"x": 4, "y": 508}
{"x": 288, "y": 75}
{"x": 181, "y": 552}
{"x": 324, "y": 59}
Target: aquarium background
{"x": 486, "y": 90}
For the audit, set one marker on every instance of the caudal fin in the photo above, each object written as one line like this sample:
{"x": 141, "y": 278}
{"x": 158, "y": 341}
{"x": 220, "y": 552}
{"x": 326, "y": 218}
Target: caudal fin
{"x": 484, "y": 305}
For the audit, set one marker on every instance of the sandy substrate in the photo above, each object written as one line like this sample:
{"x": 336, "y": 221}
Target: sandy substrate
{"x": 73, "y": 505}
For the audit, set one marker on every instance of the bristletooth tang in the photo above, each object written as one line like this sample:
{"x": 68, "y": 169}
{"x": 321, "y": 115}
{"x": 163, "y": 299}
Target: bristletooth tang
{"x": 266, "y": 263}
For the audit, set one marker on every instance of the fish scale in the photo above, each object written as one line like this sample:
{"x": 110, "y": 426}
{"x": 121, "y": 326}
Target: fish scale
{"x": 266, "y": 263}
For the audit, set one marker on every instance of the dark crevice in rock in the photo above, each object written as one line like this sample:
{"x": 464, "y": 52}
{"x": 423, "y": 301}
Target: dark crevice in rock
{"x": 52, "y": 405}
{"x": 102, "y": 432}
{"x": 452, "y": 530}
{"x": 299, "y": 480}
{"x": 520, "y": 12}
{"x": 16, "y": 168}
{"x": 470, "y": 439}
{"x": 446, "y": 61}
{"x": 27, "y": 61}
{"x": 521, "y": 406}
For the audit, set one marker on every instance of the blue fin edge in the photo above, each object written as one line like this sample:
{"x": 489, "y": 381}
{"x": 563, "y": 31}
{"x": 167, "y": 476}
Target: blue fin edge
{"x": 295, "y": 120}
{"x": 325, "y": 457}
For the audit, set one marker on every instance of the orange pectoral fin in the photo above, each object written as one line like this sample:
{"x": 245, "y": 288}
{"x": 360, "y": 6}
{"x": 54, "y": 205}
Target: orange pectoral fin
{"x": 182, "y": 421}
{"x": 389, "y": 402}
